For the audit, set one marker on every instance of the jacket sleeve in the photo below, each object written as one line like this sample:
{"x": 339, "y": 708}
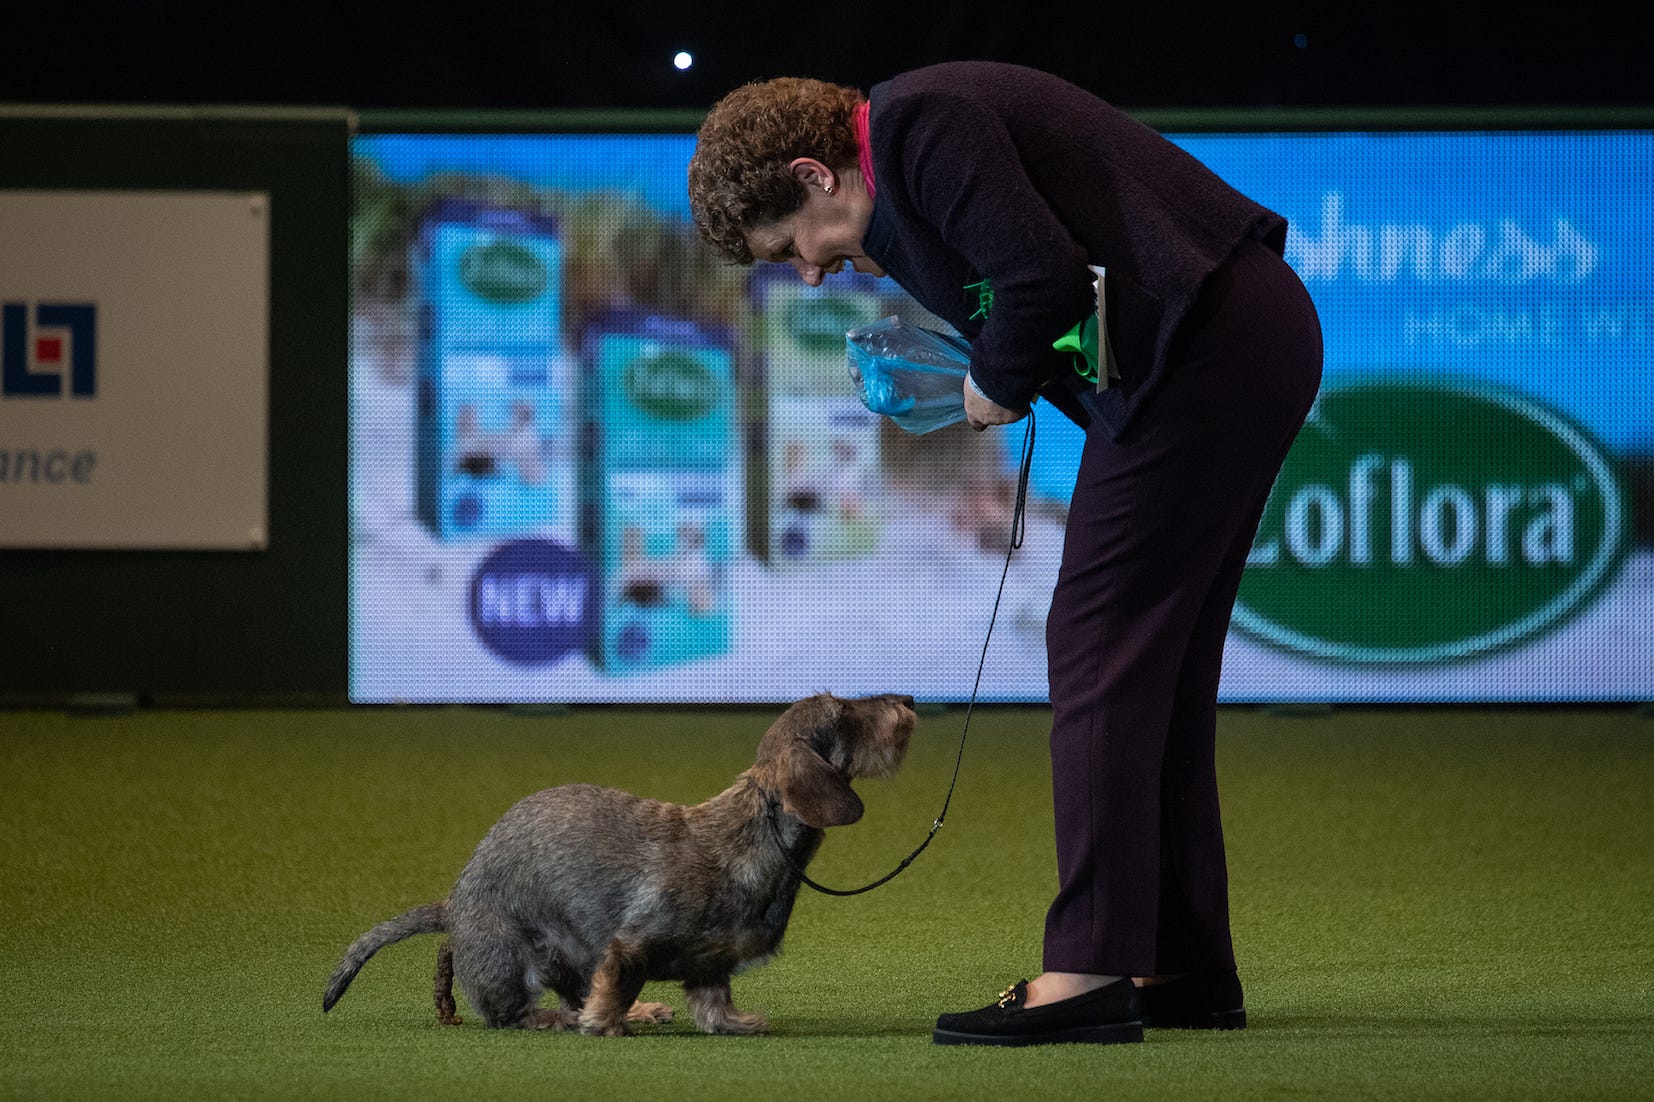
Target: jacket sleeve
{"x": 968, "y": 182}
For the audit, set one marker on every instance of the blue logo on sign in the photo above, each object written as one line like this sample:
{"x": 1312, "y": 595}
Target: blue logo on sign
{"x": 63, "y": 344}
{"x": 531, "y": 602}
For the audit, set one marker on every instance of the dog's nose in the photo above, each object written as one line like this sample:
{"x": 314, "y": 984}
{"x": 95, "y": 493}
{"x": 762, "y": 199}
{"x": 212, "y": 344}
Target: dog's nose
{"x": 904, "y": 700}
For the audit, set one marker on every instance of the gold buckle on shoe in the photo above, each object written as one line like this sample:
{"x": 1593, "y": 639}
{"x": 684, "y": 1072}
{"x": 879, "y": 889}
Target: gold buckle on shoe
{"x": 1007, "y": 996}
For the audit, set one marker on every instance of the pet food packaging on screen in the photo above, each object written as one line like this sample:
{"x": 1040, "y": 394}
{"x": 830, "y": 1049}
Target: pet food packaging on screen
{"x": 825, "y": 488}
{"x": 912, "y": 375}
{"x": 820, "y": 453}
{"x": 800, "y": 329}
{"x": 663, "y": 491}
{"x": 496, "y": 426}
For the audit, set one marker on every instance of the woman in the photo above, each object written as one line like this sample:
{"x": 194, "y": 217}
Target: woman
{"x": 988, "y": 191}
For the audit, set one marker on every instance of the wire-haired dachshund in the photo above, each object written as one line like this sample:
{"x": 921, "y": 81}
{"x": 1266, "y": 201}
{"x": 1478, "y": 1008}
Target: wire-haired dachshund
{"x": 590, "y": 892}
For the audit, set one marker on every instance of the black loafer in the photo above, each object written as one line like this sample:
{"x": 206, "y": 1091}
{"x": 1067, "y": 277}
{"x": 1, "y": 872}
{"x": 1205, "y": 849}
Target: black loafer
{"x": 1106, "y": 1016}
{"x": 1199, "y": 1000}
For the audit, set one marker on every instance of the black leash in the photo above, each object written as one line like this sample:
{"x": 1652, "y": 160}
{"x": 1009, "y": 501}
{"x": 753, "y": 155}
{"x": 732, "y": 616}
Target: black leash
{"x": 1018, "y": 527}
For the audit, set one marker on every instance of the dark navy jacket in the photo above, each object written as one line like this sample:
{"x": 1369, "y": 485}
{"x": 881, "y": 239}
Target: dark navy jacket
{"x": 984, "y": 170}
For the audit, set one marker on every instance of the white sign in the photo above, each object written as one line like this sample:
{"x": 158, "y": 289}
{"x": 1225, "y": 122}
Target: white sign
{"x": 134, "y": 369}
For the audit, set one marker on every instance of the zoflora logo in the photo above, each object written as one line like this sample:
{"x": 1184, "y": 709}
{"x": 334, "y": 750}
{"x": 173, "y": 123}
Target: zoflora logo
{"x": 1416, "y": 522}
{"x": 502, "y": 271}
{"x": 531, "y": 602}
{"x": 671, "y": 385}
{"x": 819, "y": 325}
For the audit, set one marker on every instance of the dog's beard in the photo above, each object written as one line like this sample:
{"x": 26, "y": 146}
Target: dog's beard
{"x": 882, "y": 757}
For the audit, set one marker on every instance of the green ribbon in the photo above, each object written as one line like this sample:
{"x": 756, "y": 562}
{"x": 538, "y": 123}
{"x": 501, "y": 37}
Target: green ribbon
{"x": 1081, "y": 343}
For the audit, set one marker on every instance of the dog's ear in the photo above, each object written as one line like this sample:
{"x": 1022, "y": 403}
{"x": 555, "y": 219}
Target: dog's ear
{"x": 814, "y": 791}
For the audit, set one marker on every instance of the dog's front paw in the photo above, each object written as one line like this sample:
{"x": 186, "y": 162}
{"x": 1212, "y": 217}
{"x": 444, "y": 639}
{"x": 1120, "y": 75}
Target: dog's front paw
{"x": 594, "y": 1025}
{"x": 652, "y": 1013}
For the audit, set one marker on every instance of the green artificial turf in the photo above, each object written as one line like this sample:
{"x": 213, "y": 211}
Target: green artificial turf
{"x": 1427, "y": 904}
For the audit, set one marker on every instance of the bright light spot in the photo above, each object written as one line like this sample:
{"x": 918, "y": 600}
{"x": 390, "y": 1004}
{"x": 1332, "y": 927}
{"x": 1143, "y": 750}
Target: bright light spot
{"x": 683, "y": 59}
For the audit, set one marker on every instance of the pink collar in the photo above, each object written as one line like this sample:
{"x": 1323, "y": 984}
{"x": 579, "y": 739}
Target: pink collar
{"x": 864, "y": 147}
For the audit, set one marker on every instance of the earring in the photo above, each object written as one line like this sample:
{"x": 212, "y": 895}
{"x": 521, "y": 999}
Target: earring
{"x": 827, "y": 189}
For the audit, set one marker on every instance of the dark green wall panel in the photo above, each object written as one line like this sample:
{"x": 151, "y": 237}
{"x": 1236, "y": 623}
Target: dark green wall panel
{"x": 177, "y": 626}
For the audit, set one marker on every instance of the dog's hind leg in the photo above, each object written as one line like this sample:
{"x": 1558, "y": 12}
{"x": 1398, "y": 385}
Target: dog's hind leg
{"x": 615, "y": 985}
{"x": 567, "y": 984}
{"x": 555, "y": 1018}
{"x": 444, "y": 987}
{"x": 498, "y": 978}
{"x": 714, "y": 1010}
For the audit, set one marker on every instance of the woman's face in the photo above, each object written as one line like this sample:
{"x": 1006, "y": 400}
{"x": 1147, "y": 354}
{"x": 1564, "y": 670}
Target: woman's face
{"x": 821, "y": 236}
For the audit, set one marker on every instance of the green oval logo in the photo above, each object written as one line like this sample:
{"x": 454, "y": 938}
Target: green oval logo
{"x": 818, "y": 325}
{"x": 1415, "y": 522}
{"x": 503, "y": 272}
{"x": 671, "y": 385}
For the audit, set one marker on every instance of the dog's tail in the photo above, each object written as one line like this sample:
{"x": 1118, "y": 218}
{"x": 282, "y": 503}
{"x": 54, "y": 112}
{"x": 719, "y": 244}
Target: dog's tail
{"x": 432, "y": 918}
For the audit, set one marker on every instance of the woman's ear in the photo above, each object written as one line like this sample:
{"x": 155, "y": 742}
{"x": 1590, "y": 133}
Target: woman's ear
{"x": 813, "y": 174}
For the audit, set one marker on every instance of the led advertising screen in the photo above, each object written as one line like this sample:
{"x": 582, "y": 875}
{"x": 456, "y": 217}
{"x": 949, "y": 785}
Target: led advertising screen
{"x": 590, "y": 462}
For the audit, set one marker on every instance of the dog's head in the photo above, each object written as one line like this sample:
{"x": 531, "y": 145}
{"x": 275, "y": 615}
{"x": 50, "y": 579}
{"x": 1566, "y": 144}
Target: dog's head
{"x": 811, "y": 753}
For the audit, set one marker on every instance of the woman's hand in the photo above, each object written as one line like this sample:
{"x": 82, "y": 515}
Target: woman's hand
{"x": 982, "y": 412}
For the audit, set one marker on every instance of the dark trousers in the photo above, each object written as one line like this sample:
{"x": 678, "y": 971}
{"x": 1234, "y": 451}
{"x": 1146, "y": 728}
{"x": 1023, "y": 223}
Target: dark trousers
{"x": 1158, "y": 533}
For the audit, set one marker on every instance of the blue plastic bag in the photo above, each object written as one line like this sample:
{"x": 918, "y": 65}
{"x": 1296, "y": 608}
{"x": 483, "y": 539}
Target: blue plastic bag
{"x": 912, "y": 375}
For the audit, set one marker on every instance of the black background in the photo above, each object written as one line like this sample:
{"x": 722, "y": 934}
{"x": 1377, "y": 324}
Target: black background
{"x": 1141, "y": 54}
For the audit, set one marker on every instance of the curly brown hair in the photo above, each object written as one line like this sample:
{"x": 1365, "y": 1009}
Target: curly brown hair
{"x": 739, "y": 175}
